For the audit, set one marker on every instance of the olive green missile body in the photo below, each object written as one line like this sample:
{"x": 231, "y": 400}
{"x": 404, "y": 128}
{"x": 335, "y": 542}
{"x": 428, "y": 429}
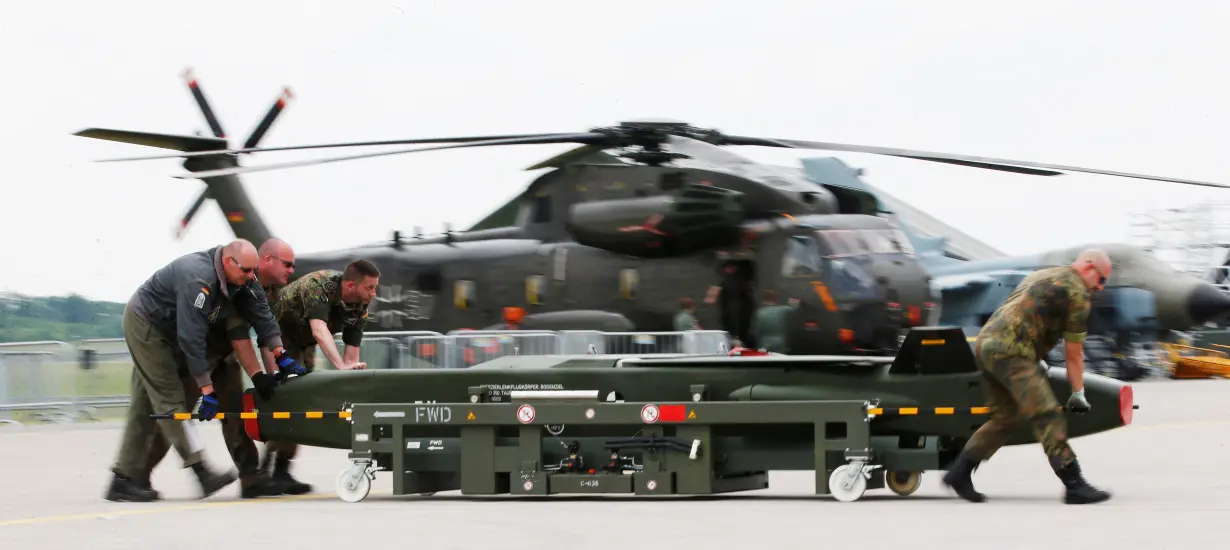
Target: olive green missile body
{"x": 932, "y": 388}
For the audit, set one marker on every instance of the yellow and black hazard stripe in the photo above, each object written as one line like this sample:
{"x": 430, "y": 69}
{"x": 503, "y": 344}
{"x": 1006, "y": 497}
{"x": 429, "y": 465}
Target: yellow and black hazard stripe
{"x": 255, "y": 415}
{"x": 918, "y": 411}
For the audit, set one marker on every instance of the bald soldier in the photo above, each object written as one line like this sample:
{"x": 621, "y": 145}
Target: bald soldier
{"x": 1048, "y": 304}
{"x": 277, "y": 263}
{"x": 167, "y": 323}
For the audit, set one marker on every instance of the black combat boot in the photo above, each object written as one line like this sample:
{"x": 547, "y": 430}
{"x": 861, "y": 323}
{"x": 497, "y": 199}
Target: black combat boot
{"x": 211, "y": 482}
{"x": 144, "y": 483}
{"x": 1079, "y": 491}
{"x": 259, "y": 485}
{"x": 289, "y": 485}
{"x": 958, "y": 478}
{"x": 126, "y": 489}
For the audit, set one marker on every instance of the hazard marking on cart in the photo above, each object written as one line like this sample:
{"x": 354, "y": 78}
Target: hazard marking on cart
{"x": 589, "y": 413}
{"x": 525, "y": 413}
{"x": 649, "y": 413}
{"x": 651, "y": 485}
{"x": 528, "y": 485}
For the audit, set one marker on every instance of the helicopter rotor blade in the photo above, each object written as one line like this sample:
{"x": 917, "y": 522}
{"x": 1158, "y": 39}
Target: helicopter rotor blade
{"x": 587, "y": 137}
{"x": 183, "y": 223}
{"x": 201, "y": 102}
{"x": 280, "y": 103}
{"x": 1006, "y": 165}
{"x": 469, "y": 139}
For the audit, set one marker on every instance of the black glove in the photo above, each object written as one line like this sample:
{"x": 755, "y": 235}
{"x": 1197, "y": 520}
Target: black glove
{"x": 209, "y": 407}
{"x": 264, "y": 384}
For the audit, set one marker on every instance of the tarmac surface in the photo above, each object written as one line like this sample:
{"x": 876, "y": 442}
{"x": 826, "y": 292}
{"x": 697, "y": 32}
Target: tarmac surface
{"x": 1164, "y": 471}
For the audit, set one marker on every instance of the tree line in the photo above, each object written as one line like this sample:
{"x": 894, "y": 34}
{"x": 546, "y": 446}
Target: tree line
{"x": 64, "y": 318}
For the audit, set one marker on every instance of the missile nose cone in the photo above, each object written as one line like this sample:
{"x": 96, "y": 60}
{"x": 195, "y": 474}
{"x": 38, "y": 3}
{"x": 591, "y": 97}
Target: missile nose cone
{"x": 1207, "y": 302}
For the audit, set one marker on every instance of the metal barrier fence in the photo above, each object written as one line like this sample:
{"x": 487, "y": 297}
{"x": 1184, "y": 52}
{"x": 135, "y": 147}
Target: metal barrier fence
{"x": 63, "y": 382}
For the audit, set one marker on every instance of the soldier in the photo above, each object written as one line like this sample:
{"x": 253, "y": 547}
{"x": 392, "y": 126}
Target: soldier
{"x": 277, "y": 263}
{"x": 1048, "y": 304}
{"x": 309, "y": 311}
{"x": 685, "y": 320}
{"x": 167, "y": 323}
{"x": 769, "y": 323}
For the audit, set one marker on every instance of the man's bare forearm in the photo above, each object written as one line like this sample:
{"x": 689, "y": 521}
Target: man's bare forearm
{"x": 1074, "y": 358}
{"x": 324, "y": 339}
{"x": 246, "y": 355}
{"x": 271, "y": 362}
{"x": 351, "y": 354}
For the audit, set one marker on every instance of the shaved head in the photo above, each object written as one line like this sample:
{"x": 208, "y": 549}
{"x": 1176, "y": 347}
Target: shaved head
{"x": 275, "y": 247}
{"x": 239, "y": 261}
{"x": 277, "y": 262}
{"x": 1094, "y": 265}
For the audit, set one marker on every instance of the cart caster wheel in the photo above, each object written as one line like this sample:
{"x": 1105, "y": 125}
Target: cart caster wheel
{"x": 427, "y": 494}
{"x": 847, "y": 483}
{"x": 903, "y": 483}
{"x": 353, "y": 484}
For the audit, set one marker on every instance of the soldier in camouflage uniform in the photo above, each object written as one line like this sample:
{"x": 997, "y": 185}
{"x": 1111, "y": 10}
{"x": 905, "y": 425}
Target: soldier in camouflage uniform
{"x": 310, "y": 311}
{"x": 1048, "y": 304}
{"x": 277, "y": 263}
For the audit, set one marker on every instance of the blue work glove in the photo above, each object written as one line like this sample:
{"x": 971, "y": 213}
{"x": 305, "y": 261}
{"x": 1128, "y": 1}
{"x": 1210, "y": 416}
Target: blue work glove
{"x": 1077, "y": 402}
{"x": 288, "y": 366}
{"x": 209, "y": 407}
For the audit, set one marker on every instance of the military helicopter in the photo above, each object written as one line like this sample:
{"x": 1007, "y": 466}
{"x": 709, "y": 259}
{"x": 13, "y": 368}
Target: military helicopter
{"x": 642, "y": 214}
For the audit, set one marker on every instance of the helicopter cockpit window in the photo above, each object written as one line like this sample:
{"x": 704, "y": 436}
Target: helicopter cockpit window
{"x": 843, "y": 242}
{"x": 802, "y": 257}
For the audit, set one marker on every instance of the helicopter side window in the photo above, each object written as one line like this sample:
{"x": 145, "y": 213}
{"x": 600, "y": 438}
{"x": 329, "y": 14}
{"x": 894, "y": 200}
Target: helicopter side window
{"x": 542, "y": 209}
{"x": 843, "y": 242}
{"x": 802, "y": 258}
{"x": 535, "y": 289}
{"x": 463, "y": 294}
{"x": 629, "y": 283}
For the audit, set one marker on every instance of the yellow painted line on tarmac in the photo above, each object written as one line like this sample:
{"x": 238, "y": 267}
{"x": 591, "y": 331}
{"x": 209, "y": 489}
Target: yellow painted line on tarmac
{"x": 161, "y": 509}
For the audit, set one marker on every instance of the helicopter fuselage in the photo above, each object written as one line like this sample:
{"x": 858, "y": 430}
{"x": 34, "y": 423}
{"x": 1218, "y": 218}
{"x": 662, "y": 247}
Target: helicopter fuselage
{"x": 857, "y": 284}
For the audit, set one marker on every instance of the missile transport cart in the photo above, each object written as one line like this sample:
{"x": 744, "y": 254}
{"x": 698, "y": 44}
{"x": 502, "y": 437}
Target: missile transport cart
{"x": 556, "y": 442}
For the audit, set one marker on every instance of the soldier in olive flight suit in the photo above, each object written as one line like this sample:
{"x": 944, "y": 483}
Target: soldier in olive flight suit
{"x": 1047, "y": 305}
{"x": 309, "y": 311}
{"x": 167, "y": 323}
{"x": 277, "y": 263}
{"x": 770, "y": 323}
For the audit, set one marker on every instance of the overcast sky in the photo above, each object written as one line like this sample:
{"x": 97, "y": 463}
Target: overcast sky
{"x": 1128, "y": 86}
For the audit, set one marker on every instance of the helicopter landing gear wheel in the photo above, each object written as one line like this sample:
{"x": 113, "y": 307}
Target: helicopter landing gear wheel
{"x": 355, "y": 482}
{"x": 848, "y": 482}
{"x": 904, "y": 483}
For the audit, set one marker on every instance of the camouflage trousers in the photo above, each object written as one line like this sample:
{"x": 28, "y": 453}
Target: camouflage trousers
{"x": 1019, "y": 391}
{"x": 306, "y": 357}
